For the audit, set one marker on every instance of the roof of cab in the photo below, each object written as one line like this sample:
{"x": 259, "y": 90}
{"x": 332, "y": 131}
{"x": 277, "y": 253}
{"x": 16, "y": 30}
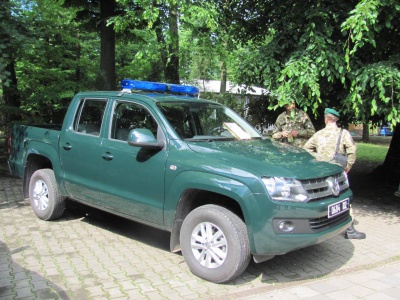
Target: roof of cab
{"x": 146, "y": 96}
{"x": 152, "y": 91}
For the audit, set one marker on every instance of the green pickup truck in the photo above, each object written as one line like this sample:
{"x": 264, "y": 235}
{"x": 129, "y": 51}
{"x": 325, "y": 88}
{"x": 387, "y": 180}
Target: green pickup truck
{"x": 156, "y": 154}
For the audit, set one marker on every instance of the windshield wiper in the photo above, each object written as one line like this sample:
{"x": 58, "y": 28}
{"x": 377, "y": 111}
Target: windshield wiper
{"x": 199, "y": 140}
{"x": 209, "y": 139}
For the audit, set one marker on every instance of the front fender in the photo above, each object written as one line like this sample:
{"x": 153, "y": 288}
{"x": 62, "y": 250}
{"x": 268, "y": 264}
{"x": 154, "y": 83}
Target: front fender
{"x": 202, "y": 181}
{"x": 253, "y": 210}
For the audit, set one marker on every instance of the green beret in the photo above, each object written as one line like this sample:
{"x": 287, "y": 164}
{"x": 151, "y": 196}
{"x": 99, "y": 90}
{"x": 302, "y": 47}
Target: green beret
{"x": 331, "y": 111}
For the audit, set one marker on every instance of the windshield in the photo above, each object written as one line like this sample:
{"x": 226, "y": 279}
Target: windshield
{"x": 206, "y": 121}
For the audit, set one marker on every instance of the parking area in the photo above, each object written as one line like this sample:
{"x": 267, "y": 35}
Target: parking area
{"x": 88, "y": 254}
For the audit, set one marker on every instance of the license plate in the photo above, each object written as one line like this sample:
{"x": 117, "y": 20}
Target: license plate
{"x": 338, "y": 208}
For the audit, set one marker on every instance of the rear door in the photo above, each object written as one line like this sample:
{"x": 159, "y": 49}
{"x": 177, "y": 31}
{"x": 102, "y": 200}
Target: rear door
{"x": 80, "y": 151}
{"x": 131, "y": 179}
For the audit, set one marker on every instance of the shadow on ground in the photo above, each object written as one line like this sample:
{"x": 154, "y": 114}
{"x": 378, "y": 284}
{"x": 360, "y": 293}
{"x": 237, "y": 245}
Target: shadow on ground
{"x": 130, "y": 229}
{"x": 40, "y": 286}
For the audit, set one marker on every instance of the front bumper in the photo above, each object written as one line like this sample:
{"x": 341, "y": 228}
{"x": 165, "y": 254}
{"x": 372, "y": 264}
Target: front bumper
{"x": 309, "y": 224}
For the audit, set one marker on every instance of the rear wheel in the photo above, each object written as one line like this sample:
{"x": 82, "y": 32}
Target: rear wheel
{"x": 44, "y": 196}
{"x": 214, "y": 243}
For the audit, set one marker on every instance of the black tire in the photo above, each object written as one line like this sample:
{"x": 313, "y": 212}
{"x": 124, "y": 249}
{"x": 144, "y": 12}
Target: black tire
{"x": 216, "y": 262}
{"x": 44, "y": 196}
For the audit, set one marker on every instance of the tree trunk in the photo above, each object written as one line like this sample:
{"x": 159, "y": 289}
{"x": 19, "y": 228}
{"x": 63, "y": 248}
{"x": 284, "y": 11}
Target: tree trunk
{"x": 162, "y": 46}
{"x": 107, "y": 54}
{"x": 172, "y": 67}
{"x": 222, "y": 88}
{"x": 389, "y": 171}
{"x": 78, "y": 67}
{"x": 365, "y": 134}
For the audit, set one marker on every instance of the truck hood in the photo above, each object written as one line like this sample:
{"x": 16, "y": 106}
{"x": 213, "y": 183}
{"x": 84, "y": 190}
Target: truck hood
{"x": 267, "y": 157}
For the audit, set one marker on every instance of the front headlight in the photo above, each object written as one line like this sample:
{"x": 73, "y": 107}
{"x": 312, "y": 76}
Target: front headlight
{"x": 285, "y": 189}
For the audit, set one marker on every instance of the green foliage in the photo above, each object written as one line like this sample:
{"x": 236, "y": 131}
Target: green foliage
{"x": 138, "y": 57}
{"x": 48, "y": 68}
{"x": 375, "y": 86}
{"x": 251, "y": 69}
{"x": 199, "y": 59}
{"x": 158, "y": 17}
{"x": 136, "y": 12}
{"x": 298, "y": 74}
{"x": 54, "y": 57}
{"x": 342, "y": 54}
{"x": 12, "y": 36}
{"x": 206, "y": 45}
{"x": 362, "y": 24}
{"x": 200, "y": 47}
{"x": 375, "y": 91}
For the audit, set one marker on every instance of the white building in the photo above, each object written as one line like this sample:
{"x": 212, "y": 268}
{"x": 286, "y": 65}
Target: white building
{"x": 214, "y": 86}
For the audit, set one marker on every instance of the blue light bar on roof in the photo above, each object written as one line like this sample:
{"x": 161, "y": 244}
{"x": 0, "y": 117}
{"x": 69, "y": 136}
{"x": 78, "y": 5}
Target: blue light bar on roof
{"x": 129, "y": 84}
{"x": 183, "y": 89}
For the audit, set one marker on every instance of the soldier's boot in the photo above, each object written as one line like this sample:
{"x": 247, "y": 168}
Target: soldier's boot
{"x": 352, "y": 233}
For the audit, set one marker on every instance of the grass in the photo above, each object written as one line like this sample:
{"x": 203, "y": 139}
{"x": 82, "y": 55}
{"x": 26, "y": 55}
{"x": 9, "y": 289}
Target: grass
{"x": 371, "y": 152}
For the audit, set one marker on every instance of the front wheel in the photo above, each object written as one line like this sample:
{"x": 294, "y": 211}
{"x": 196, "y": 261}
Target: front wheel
{"x": 214, "y": 243}
{"x": 44, "y": 196}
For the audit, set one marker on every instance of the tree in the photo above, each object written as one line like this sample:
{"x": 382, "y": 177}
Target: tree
{"x": 162, "y": 19}
{"x": 107, "y": 54}
{"x": 97, "y": 14}
{"x": 200, "y": 47}
{"x": 373, "y": 32}
{"x": 8, "y": 78}
{"x": 61, "y": 60}
{"x": 340, "y": 54}
{"x": 172, "y": 65}
{"x": 186, "y": 31}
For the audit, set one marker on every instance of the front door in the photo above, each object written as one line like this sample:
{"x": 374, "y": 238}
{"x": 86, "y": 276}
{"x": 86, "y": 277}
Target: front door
{"x": 131, "y": 178}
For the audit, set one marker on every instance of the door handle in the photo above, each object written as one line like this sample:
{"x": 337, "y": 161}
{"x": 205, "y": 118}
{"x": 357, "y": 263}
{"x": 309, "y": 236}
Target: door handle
{"x": 67, "y": 146}
{"x": 107, "y": 156}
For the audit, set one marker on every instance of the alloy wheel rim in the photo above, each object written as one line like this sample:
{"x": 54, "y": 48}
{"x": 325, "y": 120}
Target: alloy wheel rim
{"x": 41, "y": 195}
{"x": 209, "y": 245}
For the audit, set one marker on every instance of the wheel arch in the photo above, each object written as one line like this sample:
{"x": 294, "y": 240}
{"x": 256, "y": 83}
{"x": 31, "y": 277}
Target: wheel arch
{"x": 192, "y": 199}
{"x": 33, "y": 163}
{"x": 208, "y": 190}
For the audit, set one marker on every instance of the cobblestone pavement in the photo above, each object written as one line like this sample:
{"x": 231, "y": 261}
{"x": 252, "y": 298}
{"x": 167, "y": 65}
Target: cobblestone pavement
{"x": 92, "y": 255}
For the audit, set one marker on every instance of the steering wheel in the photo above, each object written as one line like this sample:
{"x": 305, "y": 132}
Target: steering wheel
{"x": 216, "y": 130}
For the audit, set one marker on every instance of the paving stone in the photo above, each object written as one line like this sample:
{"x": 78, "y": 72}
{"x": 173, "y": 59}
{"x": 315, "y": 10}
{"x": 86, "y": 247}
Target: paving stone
{"x": 322, "y": 287}
{"x": 392, "y": 292}
{"x": 379, "y": 296}
{"x": 342, "y": 295}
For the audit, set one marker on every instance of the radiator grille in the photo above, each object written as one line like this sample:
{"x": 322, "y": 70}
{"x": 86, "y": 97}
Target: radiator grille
{"x": 319, "y": 188}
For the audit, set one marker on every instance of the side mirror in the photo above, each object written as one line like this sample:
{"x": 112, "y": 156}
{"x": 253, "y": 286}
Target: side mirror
{"x": 142, "y": 137}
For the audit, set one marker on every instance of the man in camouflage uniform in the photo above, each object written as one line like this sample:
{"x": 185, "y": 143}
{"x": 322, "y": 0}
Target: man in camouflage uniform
{"x": 323, "y": 143}
{"x": 323, "y": 146}
{"x": 293, "y": 126}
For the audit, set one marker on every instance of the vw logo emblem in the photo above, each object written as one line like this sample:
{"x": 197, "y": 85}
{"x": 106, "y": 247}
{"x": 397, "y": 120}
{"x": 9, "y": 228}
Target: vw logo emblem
{"x": 333, "y": 185}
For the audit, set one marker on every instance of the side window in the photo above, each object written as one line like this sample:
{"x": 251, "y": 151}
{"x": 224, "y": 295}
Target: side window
{"x": 90, "y": 116}
{"x": 128, "y": 116}
{"x": 181, "y": 120}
